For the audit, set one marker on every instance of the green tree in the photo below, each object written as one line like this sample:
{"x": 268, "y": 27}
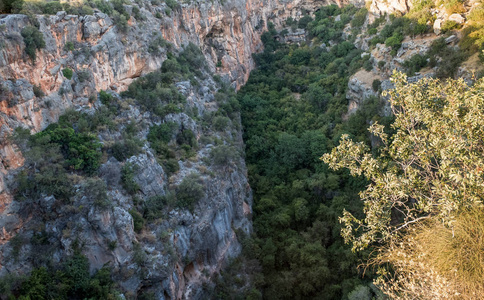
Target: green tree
{"x": 430, "y": 170}
{"x": 33, "y": 39}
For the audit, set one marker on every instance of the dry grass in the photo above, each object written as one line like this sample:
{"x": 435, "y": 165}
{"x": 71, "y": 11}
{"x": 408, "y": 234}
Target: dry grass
{"x": 434, "y": 261}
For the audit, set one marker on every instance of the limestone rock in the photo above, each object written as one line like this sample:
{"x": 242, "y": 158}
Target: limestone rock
{"x": 458, "y": 18}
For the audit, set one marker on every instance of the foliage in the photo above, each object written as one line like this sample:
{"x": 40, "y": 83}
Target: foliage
{"x": 81, "y": 150}
{"x": 96, "y": 191}
{"x": 450, "y": 58}
{"x": 138, "y": 221}
{"x": 127, "y": 178}
{"x": 67, "y": 73}
{"x": 223, "y": 155}
{"x": 422, "y": 171}
{"x": 69, "y": 46}
{"x": 38, "y": 91}
{"x": 292, "y": 105}
{"x": 449, "y": 25}
{"x": 71, "y": 280}
{"x": 189, "y": 192}
{"x": 126, "y": 148}
{"x": 10, "y": 6}
{"x": 325, "y": 28}
{"x": 33, "y": 39}
{"x": 153, "y": 207}
{"x": 359, "y": 18}
{"x": 156, "y": 91}
{"x": 376, "y": 84}
{"x": 415, "y": 63}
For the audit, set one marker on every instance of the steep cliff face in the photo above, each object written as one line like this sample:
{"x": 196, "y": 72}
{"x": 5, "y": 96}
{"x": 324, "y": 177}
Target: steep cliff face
{"x": 227, "y": 33}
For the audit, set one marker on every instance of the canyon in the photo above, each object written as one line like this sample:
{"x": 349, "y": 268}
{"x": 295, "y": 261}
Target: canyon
{"x": 187, "y": 248}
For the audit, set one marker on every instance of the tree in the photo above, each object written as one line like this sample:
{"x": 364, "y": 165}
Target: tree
{"x": 34, "y": 40}
{"x": 429, "y": 172}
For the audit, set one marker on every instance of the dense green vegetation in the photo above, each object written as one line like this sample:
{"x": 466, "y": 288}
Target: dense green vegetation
{"x": 423, "y": 204}
{"x": 292, "y": 113}
{"x": 33, "y": 40}
{"x": 50, "y": 155}
{"x": 70, "y": 280}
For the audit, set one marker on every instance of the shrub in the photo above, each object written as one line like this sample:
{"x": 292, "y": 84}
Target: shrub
{"x": 163, "y": 132}
{"x": 127, "y": 179}
{"x": 11, "y": 6}
{"x": 172, "y": 4}
{"x": 138, "y": 221}
{"x": 105, "y": 97}
{"x": 449, "y": 25}
{"x": 415, "y": 63}
{"x": 96, "y": 191}
{"x": 67, "y": 73}
{"x": 222, "y": 155}
{"x": 189, "y": 192}
{"x": 368, "y": 65}
{"x": 304, "y": 21}
{"x": 372, "y": 31}
{"x": 81, "y": 150}
{"x": 395, "y": 42}
{"x": 359, "y": 18}
{"x": 33, "y": 39}
{"x": 38, "y": 91}
{"x": 125, "y": 149}
{"x": 83, "y": 75}
{"x": 186, "y": 137}
{"x": 69, "y": 46}
{"x": 171, "y": 166}
{"x": 376, "y": 85}
{"x": 153, "y": 207}
{"x": 220, "y": 123}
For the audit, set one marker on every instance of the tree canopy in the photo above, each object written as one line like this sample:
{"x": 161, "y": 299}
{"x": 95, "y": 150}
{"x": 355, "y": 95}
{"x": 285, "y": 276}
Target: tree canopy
{"x": 424, "y": 183}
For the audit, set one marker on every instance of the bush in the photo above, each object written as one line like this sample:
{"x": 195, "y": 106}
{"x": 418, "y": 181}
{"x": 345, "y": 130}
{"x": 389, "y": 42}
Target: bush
{"x": 376, "y": 84}
{"x": 171, "y": 166}
{"x": 359, "y": 18}
{"x": 222, "y": 155}
{"x": 11, "y": 6}
{"x": 33, "y": 39}
{"x": 38, "y": 91}
{"x": 125, "y": 149}
{"x": 372, "y": 31}
{"x": 83, "y": 75}
{"x": 220, "y": 123}
{"x": 415, "y": 63}
{"x": 163, "y": 132}
{"x": 127, "y": 179}
{"x": 449, "y": 25}
{"x": 172, "y": 4}
{"x": 67, "y": 73}
{"x": 95, "y": 190}
{"x": 69, "y": 46}
{"x": 105, "y": 97}
{"x": 189, "y": 192}
{"x": 69, "y": 280}
{"x": 81, "y": 150}
{"x": 138, "y": 221}
{"x": 368, "y": 65}
{"x": 304, "y": 21}
{"x": 153, "y": 207}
